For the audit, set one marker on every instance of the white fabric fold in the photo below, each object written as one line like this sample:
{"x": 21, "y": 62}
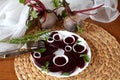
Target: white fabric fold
{"x": 13, "y": 17}
{"x": 106, "y": 13}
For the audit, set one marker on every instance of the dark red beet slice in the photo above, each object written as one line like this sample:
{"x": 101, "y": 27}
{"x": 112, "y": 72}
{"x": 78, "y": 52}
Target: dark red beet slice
{"x": 81, "y": 62}
{"x": 55, "y": 68}
{"x": 39, "y": 65}
{"x": 85, "y": 52}
{"x": 62, "y": 45}
{"x": 71, "y": 65}
{"x": 56, "y": 37}
{"x": 42, "y": 60}
{"x": 50, "y": 48}
{"x": 74, "y": 55}
{"x": 51, "y": 35}
{"x": 76, "y": 38}
{"x": 58, "y": 44}
{"x": 79, "y": 48}
{"x": 69, "y": 40}
{"x": 33, "y": 56}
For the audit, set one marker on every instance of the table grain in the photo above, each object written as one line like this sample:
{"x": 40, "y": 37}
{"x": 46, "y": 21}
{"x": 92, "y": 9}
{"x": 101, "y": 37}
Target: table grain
{"x": 7, "y": 71}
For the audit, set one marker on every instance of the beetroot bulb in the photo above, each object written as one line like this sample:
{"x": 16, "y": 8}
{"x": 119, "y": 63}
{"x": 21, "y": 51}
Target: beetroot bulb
{"x": 51, "y": 20}
{"x": 40, "y": 15}
{"x": 71, "y": 22}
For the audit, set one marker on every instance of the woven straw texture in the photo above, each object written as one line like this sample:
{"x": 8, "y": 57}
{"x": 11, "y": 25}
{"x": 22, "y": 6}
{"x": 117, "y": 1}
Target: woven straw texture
{"x": 105, "y": 62}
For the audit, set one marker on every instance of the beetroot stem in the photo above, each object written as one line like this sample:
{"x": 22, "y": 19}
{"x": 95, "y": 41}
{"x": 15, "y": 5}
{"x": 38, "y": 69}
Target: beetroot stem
{"x": 89, "y": 13}
{"x": 44, "y": 9}
{"x": 67, "y": 8}
{"x": 86, "y": 10}
{"x": 34, "y": 6}
{"x": 40, "y": 4}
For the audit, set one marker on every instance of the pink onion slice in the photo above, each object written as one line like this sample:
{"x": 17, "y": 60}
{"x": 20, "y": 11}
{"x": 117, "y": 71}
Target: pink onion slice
{"x": 79, "y": 48}
{"x": 57, "y": 37}
{"x": 69, "y": 40}
{"x": 60, "y": 60}
{"x": 36, "y": 54}
{"x": 68, "y": 48}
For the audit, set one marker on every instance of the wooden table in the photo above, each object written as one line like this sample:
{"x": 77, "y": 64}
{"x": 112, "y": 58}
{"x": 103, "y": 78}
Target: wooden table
{"x": 7, "y": 65}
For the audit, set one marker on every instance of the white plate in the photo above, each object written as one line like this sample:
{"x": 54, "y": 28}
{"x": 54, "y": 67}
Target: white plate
{"x": 77, "y": 70}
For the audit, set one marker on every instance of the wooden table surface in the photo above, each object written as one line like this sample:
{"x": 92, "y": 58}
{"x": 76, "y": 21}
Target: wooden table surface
{"x": 7, "y": 65}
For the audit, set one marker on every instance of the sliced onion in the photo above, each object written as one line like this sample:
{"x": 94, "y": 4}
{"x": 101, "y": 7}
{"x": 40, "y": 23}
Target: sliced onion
{"x": 60, "y": 56}
{"x": 81, "y": 45}
{"x": 57, "y": 37}
{"x": 50, "y": 40}
{"x": 36, "y": 54}
{"x": 66, "y": 39}
{"x": 68, "y": 48}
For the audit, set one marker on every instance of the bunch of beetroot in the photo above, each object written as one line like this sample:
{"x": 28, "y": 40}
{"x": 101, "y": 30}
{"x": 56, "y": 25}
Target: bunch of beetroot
{"x": 42, "y": 17}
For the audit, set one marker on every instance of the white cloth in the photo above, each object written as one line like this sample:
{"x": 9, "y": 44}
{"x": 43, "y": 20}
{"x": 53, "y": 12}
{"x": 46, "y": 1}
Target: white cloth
{"x": 106, "y": 13}
{"x": 13, "y": 16}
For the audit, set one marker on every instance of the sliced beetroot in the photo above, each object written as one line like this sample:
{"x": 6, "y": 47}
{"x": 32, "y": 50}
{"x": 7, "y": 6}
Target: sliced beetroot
{"x": 46, "y": 53}
{"x": 32, "y": 53}
{"x": 68, "y": 48}
{"x": 60, "y": 61}
{"x": 74, "y": 55}
{"x": 85, "y": 52}
{"x": 56, "y": 37}
{"x": 54, "y": 68}
{"x": 61, "y": 45}
{"x": 81, "y": 62}
{"x": 76, "y": 38}
{"x": 50, "y": 47}
{"x": 42, "y": 60}
{"x": 69, "y": 40}
{"x": 39, "y": 65}
{"x": 58, "y": 44}
{"x": 78, "y": 48}
{"x": 50, "y": 40}
{"x": 70, "y": 66}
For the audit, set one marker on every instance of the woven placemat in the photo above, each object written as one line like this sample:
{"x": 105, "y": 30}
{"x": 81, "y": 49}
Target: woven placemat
{"x": 105, "y": 62}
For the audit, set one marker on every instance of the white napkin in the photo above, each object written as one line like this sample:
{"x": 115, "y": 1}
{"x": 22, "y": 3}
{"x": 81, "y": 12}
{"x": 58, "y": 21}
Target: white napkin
{"x": 13, "y": 17}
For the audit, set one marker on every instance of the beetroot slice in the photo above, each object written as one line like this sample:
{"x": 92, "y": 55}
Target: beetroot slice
{"x": 75, "y": 56}
{"x": 71, "y": 65}
{"x": 42, "y": 60}
{"x": 50, "y": 48}
{"x": 62, "y": 44}
{"x": 81, "y": 62}
{"x": 85, "y": 52}
{"x": 39, "y": 65}
{"x": 76, "y": 38}
{"x": 55, "y": 68}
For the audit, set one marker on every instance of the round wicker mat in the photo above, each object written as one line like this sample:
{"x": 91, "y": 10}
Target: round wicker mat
{"x": 105, "y": 62}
